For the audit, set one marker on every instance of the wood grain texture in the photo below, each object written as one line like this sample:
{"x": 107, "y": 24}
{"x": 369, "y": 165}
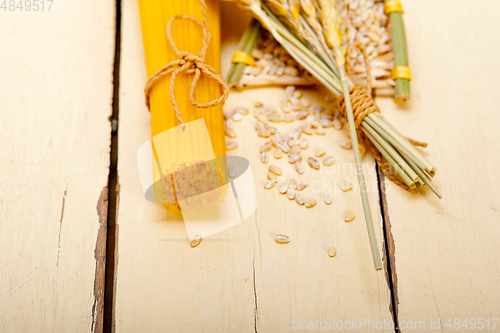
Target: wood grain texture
{"x": 161, "y": 281}
{"x": 447, "y": 251}
{"x": 240, "y": 280}
{"x": 55, "y": 100}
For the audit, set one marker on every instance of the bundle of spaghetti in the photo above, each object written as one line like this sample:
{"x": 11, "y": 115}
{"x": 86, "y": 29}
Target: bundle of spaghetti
{"x": 189, "y": 37}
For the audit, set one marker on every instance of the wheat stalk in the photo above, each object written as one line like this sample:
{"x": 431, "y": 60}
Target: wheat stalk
{"x": 303, "y": 40}
{"x": 247, "y": 44}
{"x": 331, "y": 33}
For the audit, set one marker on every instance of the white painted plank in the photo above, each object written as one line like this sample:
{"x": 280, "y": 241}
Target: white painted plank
{"x": 161, "y": 281}
{"x": 447, "y": 251}
{"x": 55, "y": 100}
{"x": 238, "y": 280}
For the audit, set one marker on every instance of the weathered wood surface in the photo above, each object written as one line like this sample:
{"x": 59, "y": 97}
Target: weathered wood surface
{"x": 447, "y": 251}
{"x": 55, "y": 100}
{"x": 240, "y": 279}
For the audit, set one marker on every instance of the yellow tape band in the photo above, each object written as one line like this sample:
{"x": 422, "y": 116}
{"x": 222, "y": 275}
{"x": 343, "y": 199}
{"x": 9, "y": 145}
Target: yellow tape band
{"x": 392, "y": 6}
{"x": 401, "y": 72}
{"x": 242, "y": 58}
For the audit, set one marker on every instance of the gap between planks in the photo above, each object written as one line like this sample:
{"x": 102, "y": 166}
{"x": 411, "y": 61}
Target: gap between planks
{"x": 389, "y": 250}
{"x": 114, "y": 190}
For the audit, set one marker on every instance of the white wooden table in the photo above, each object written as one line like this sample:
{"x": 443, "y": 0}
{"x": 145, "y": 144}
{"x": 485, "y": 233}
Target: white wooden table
{"x": 441, "y": 257}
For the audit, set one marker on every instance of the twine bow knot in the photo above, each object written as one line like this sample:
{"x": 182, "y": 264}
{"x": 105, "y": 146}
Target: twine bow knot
{"x": 188, "y": 63}
{"x": 190, "y": 59}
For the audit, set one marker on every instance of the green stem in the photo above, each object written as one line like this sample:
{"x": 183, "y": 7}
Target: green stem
{"x": 305, "y": 53}
{"x": 247, "y": 44}
{"x": 393, "y": 132}
{"x": 391, "y": 151}
{"x": 327, "y": 57}
{"x": 393, "y": 141}
{"x": 305, "y": 57}
{"x": 399, "y": 171}
{"x": 311, "y": 67}
{"x": 402, "y": 93}
{"x": 426, "y": 180}
{"x": 359, "y": 169}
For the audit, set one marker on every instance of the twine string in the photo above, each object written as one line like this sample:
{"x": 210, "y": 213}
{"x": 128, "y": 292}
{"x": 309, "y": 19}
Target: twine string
{"x": 189, "y": 64}
{"x": 349, "y": 67}
{"x": 362, "y": 105}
